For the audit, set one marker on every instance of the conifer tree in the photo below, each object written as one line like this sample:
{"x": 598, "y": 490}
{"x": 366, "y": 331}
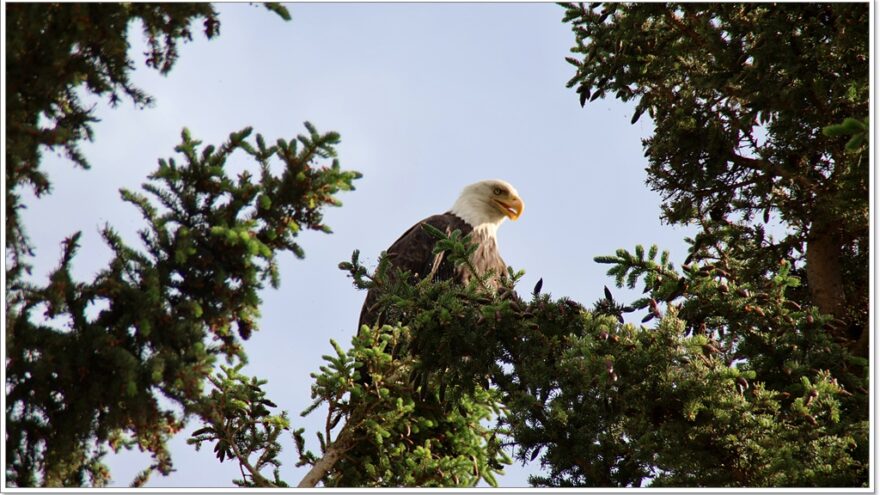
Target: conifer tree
{"x": 752, "y": 371}
{"x": 748, "y": 367}
{"x": 52, "y": 52}
{"x": 755, "y": 374}
{"x": 168, "y": 311}
{"x": 761, "y": 117}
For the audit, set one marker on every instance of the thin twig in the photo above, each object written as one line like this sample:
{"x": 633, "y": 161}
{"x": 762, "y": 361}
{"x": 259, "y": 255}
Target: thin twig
{"x": 256, "y": 477}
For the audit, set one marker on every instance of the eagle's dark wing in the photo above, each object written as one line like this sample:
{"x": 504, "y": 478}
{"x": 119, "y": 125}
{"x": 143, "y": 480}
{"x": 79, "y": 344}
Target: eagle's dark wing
{"x": 413, "y": 252}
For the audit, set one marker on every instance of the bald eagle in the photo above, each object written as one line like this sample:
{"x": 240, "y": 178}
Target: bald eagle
{"x": 480, "y": 209}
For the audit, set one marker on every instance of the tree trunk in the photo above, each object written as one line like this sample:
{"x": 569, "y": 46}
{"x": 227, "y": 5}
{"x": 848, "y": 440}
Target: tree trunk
{"x": 862, "y": 347}
{"x": 825, "y": 280}
{"x": 823, "y": 271}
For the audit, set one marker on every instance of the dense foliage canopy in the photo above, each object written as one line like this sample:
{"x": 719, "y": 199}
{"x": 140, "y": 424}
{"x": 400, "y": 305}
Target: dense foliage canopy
{"x": 761, "y": 116}
{"x": 87, "y": 361}
{"x": 755, "y": 372}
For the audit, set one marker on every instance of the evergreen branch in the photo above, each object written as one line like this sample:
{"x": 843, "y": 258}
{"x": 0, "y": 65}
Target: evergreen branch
{"x": 244, "y": 462}
{"x": 771, "y": 170}
{"x": 237, "y": 420}
{"x": 460, "y": 250}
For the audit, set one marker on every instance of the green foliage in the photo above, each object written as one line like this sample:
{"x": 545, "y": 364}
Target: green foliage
{"x": 237, "y": 418}
{"x": 414, "y": 400}
{"x": 754, "y": 373}
{"x": 745, "y": 99}
{"x": 154, "y": 321}
{"x": 750, "y": 322}
{"x": 736, "y": 385}
{"x": 744, "y": 139}
{"x": 623, "y": 405}
{"x": 279, "y": 9}
{"x": 858, "y": 129}
{"x": 393, "y": 435}
{"x": 57, "y": 56}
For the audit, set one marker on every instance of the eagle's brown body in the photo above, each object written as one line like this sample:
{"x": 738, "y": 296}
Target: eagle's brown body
{"x": 413, "y": 252}
{"x": 479, "y": 210}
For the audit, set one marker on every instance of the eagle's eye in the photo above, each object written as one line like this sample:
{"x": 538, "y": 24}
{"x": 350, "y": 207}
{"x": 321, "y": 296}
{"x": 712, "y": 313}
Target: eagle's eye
{"x": 497, "y": 191}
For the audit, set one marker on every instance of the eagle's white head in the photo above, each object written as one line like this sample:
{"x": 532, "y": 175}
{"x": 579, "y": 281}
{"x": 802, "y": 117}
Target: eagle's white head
{"x": 487, "y": 203}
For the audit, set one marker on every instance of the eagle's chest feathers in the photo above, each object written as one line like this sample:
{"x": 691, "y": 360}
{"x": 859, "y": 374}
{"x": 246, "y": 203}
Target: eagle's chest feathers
{"x": 485, "y": 257}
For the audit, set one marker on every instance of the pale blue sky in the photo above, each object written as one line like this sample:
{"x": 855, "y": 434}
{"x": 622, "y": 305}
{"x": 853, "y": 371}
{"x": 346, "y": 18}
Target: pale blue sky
{"x": 427, "y": 98}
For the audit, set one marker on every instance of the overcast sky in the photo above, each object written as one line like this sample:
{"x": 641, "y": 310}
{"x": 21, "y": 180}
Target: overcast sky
{"x": 428, "y": 98}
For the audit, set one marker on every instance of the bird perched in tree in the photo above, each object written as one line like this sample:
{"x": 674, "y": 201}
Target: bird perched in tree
{"x": 480, "y": 209}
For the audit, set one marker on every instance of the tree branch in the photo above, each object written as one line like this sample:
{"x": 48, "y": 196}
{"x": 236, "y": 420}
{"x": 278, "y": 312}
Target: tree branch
{"x": 327, "y": 461}
{"x": 768, "y": 168}
{"x": 686, "y": 29}
{"x": 258, "y": 479}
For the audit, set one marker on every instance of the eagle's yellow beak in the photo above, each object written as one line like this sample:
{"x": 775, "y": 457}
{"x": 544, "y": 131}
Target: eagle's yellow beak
{"x": 512, "y": 207}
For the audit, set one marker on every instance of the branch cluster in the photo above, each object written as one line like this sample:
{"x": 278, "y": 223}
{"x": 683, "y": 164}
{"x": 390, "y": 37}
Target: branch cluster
{"x": 155, "y": 320}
